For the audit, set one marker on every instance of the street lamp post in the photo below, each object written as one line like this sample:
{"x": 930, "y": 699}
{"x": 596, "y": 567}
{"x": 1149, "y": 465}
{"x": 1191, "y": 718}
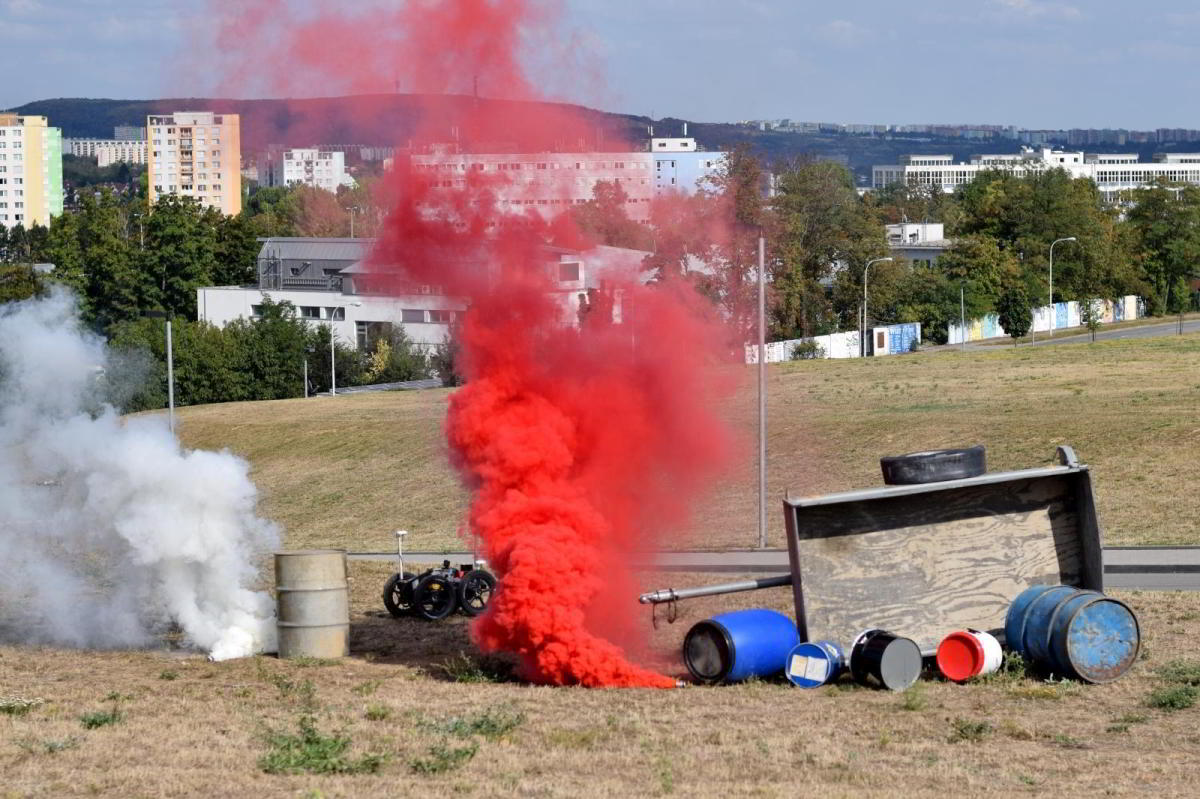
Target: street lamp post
{"x": 353, "y": 210}
{"x": 862, "y": 336}
{"x": 333, "y": 346}
{"x": 170, "y": 367}
{"x": 1052, "y": 314}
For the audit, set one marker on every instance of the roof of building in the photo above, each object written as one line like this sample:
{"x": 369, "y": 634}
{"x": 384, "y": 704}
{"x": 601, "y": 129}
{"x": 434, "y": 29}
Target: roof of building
{"x": 316, "y": 249}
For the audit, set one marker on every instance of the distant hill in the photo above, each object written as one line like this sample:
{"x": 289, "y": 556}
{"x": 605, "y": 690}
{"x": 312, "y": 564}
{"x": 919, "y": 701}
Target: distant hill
{"x": 392, "y": 119}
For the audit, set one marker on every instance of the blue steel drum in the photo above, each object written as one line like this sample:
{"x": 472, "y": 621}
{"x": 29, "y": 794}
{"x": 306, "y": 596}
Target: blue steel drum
{"x": 1014, "y": 622}
{"x": 736, "y": 646}
{"x": 1039, "y": 616}
{"x": 1094, "y": 638}
{"x": 815, "y": 663}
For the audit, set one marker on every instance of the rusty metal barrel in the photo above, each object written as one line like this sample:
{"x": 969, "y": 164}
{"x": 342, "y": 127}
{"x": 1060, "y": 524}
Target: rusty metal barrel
{"x": 313, "y": 603}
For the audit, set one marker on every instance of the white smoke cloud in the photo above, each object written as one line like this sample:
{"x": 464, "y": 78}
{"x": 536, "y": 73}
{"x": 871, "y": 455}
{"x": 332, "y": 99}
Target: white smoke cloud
{"x": 109, "y": 529}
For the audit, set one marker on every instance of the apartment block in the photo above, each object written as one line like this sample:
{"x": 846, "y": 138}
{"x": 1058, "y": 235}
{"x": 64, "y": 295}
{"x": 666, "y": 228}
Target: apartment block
{"x": 315, "y": 167}
{"x": 550, "y": 183}
{"x": 31, "y": 188}
{"x": 108, "y": 151}
{"x": 196, "y": 154}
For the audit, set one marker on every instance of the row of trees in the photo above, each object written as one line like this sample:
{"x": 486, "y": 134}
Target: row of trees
{"x": 268, "y": 357}
{"x": 820, "y": 234}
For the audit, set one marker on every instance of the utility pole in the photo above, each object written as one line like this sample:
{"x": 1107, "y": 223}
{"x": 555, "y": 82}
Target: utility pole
{"x": 170, "y": 378}
{"x": 962, "y": 316}
{"x": 762, "y": 394}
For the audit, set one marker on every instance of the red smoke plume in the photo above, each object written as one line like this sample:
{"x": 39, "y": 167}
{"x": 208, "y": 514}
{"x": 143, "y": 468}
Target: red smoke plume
{"x": 584, "y": 440}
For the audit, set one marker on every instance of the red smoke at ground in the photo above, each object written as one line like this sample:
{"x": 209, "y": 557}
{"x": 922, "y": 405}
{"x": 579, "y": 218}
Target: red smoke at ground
{"x": 583, "y": 440}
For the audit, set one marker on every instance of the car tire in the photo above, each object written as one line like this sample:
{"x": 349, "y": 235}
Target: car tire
{"x": 933, "y": 466}
{"x": 434, "y": 598}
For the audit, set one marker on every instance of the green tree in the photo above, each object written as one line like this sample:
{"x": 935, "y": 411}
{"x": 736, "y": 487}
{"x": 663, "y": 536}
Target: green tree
{"x": 271, "y": 212}
{"x": 236, "y": 250}
{"x": 1015, "y": 310}
{"x": 604, "y": 219}
{"x": 19, "y": 282}
{"x": 1166, "y": 225}
{"x": 180, "y": 255}
{"x": 820, "y": 222}
{"x": 737, "y": 213}
{"x": 64, "y": 249}
{"x": 982, "y": 268}
{"x": 114, "y": 288}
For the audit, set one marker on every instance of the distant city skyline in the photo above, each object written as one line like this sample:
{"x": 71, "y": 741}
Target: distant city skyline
{"x": 1035, "y": 64}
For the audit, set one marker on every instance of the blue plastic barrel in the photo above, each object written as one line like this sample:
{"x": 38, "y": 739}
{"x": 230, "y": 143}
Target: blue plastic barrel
{"x": 1075, "y": 633}
{"x": 815, "y": 663}
{"x": 736, "y": 646}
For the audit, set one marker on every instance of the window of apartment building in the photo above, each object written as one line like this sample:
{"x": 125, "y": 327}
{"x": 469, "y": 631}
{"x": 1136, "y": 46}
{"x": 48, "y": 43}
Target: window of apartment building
{"x": 216, "y": 187}
{"x": 18, "y": 217}
{"x": 619, "y": 165}
{"x": 439, "y": 317}
{"x": 310, "y": 312}
{"x": 335, "y": 314}
{"x": 568, "y": 272}
{"x": 410, "y": 315}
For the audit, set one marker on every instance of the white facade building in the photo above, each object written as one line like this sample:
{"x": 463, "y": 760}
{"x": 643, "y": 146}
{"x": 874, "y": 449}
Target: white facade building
{"x": 1112, "y": 173}
{"x": 329, "y": 283}
{"x": 108, "y": 151}
{"x": 313, "y": 167}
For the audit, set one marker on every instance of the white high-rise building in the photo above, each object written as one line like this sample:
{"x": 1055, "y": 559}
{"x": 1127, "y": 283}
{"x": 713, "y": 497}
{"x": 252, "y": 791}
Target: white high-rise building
{"x": 197, "y": 154}
{"x": 320, "y": 169}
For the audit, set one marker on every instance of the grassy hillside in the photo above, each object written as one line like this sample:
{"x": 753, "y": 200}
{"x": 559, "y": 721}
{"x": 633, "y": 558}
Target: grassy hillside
{"x": 347, "y": 471}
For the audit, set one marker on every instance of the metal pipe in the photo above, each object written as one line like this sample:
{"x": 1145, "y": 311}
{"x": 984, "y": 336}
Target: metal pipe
{"x": 671, "y": 595}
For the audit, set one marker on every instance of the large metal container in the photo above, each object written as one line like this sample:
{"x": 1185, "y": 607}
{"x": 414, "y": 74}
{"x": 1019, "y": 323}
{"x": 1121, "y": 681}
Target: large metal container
{"x": 313, "y": 603}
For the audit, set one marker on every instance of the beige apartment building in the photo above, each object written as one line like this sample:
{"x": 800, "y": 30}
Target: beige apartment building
{"x": 196, "y": 154}
{"x": 31, "y": 188}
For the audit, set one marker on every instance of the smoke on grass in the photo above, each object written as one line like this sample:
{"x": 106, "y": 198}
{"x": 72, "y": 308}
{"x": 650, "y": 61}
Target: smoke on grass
{"x": 111, "y": 531}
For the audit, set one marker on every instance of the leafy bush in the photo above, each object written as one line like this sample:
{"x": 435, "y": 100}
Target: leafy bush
{"x": 807, "y": 350}
{"x": 311, "y": 752}
{"x": 443, "y": 758}
{"x": 1173, "y": 697}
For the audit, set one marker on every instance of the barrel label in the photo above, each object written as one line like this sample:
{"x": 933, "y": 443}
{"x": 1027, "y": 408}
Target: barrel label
{"x": 808, "y": 668}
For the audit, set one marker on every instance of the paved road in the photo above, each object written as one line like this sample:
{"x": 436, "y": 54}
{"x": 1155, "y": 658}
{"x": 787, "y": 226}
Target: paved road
{"x": 1142, "y": 331}
{"x": 1147, "y": 568}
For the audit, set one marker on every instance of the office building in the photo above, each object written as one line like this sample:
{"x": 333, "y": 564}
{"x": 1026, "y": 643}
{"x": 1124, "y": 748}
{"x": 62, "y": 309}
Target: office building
{"x": 31, "y": 188}
{"x": 1113, "y": 173}
{"x": 196, "y": 154}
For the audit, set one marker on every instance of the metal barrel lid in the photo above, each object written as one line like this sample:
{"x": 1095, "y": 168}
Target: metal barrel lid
{"x": 1098, "y": 639}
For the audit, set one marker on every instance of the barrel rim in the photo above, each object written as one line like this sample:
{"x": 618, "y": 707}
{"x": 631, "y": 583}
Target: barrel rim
{"x": 727, "y": 639}
{"x": 1066, "y": 647}
{"x": 308, "y": 552}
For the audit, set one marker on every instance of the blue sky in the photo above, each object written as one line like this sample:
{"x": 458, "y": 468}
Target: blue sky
{"x": 1032, "y": 63}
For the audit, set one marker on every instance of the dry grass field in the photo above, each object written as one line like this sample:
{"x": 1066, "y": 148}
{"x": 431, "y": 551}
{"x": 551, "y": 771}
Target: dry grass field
{"x": 345, "y": 472}
{"x": 417, "y": 714}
